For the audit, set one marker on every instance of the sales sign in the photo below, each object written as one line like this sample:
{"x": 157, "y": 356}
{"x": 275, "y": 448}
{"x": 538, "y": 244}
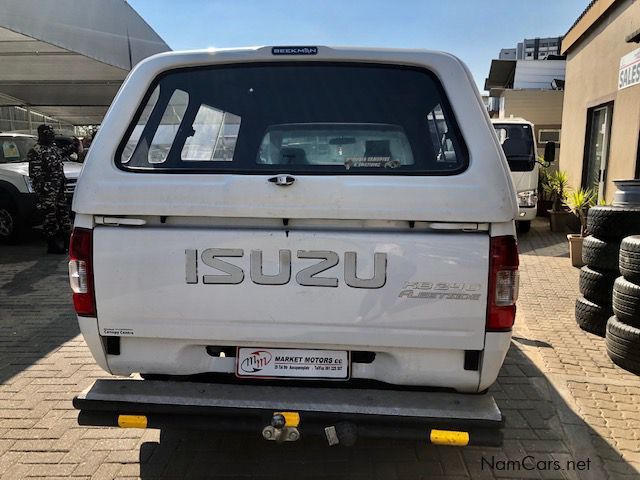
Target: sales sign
{"x": 629, "y": 73}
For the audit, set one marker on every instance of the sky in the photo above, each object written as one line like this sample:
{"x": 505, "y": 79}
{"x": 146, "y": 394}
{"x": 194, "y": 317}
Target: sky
{"x": 473, "y": 30}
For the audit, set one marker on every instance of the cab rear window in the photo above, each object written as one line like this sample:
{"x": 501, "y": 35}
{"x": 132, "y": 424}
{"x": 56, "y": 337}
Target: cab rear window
{"x": 517, "y": 143}
{"x": 308, "y": 118}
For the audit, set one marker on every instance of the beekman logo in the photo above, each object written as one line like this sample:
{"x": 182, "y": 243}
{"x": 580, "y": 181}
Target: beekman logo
{"x": 256, "y": 361}
{"x": 294, "y": 51}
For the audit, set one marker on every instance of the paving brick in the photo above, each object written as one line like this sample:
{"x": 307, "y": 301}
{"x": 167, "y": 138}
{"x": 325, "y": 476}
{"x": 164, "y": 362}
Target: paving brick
{"x": 626, "y": 444}
{"x": 36, "y": 446}
{"x": 19, "y": 471}
{"x": 8, "y": 460}
{"x": 123, "y": 456}
{"x": 79, "y": 452}
{"x": 45, "y": 471}
{"x": 42, "y": 457}
{"x": 130, "y": 470}
{"x": 115, "y": 444}
{"x": 520, "y": 434}
{"x": 452, "y": 461}
{"x": 106, "y": 471}
{"x": 90, "y": 464}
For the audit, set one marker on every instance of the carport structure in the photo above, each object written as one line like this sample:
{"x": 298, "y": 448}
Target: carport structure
{"x": 67, "y": 58}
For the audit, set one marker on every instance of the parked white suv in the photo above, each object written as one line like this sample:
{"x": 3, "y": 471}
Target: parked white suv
{"x": 271, "y": 216}
{"x": 17, "y": 201}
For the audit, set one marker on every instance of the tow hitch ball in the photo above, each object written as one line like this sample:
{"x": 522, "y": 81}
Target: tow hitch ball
{"x": 283, "y": 428}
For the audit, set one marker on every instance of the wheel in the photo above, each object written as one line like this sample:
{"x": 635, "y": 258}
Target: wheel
{"x": 626, "y": 301}
{"x": 592, "y": 317}
{"x": 11, "y": 225}
{"x": 607, "y": 221}
{"x": 601, "y": 254}
{"x": 523, "y": 227}
{"x": 597, "y": 286}
{"x": 630, "y": 259}
{"x": 623, "y": 345}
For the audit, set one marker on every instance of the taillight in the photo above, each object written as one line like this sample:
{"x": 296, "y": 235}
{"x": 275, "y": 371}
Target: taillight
{"x": 81, "y": 272}
{"x": 503, "y": 283}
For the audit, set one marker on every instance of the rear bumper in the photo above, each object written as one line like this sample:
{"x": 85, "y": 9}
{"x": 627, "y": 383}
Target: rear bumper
{"x": 440, "y": 368}
{"x": 249, "y": 408}
{"x": 526, "y": 214}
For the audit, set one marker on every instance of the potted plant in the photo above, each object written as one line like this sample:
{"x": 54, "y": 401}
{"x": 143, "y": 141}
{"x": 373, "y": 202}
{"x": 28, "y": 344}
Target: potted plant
{"x": 544, "y": 202}
{"x": 556, "y": 187}
{"x": 579, "y": 202}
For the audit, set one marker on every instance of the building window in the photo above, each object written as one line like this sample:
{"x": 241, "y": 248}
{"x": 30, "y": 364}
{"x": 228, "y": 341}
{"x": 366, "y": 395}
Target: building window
{"x": 548, "y": 135}
{"x": 594, "y": 166}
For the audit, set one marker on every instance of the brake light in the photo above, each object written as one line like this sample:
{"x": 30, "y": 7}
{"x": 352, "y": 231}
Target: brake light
{"x": 81, "y": 271}
{"x": 503, "y": 283}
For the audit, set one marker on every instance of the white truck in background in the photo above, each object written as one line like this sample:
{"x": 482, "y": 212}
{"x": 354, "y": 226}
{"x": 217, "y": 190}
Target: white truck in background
{"x": 518, "y": 140}
{"x": 302, "y": 240}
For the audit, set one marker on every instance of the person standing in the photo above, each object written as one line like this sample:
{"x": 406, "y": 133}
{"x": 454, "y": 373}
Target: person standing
{"x": 48, "y": 180}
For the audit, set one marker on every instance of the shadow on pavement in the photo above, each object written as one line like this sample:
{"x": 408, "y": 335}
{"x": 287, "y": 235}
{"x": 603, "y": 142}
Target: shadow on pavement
{"x": 540, "y": 430}
{"x": 541, "y": 241}
{"x": 36, "y": 313}
{"x": 531, "y": 343}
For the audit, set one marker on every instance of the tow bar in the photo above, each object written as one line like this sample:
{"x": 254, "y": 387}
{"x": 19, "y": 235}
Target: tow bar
{"x": 283, "y": 428}
{"x": 287, "y": 414}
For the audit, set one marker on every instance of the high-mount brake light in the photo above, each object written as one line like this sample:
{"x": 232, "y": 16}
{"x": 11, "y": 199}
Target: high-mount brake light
{"x": 81, "y": 272}
{"x": 503, "y": 283}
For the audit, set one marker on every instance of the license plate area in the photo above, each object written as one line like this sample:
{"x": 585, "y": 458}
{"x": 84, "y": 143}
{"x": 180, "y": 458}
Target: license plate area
{"x": 258, "y": 362}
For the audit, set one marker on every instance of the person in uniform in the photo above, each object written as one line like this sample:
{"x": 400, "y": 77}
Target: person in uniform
{"x": 48, "y": 180}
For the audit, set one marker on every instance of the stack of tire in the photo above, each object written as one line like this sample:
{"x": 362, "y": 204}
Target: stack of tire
{"x": 607, "y": 226}
{"x": 623, "y": 329}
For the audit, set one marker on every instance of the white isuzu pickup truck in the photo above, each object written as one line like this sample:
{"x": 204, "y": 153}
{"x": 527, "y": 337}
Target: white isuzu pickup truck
{"x": 297, "y": 240}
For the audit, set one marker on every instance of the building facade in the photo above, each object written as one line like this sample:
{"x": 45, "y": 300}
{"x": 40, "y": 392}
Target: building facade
{"x": 601, "y": 111}
{"x": 508, "y": 54}
{"x": 538, "y": 48}
{"x": 530, "y": 88}
{"x": 543, "y": 108}
{"x": 532, "y": 49}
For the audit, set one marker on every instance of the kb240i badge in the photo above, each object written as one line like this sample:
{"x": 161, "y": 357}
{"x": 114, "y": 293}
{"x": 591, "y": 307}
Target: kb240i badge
{"x": 442, "y": 290}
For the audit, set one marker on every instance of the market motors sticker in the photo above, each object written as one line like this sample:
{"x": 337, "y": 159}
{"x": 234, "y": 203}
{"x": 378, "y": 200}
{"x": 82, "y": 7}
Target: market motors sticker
{"x": 292, "y": 363}
{"x": 629, "y": 73}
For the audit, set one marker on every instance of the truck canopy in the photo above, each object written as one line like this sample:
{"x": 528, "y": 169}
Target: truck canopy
{"x": 270, "y": 113}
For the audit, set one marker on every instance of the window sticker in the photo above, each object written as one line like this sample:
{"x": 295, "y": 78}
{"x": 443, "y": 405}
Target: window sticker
{"x": 10, "y": 150}
{"x": 370, "y": 162}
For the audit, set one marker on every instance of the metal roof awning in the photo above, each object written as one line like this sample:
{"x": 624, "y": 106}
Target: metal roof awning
{"x": 501, "y": 75}
{"x": 68, "y": 62}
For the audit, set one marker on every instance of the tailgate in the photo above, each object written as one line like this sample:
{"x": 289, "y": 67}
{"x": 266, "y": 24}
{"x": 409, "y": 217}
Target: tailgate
{"x": 426, "y": 289}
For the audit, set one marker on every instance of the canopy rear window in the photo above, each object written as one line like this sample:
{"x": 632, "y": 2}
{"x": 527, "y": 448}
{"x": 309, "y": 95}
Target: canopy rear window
{"x": 309, "y": 118}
